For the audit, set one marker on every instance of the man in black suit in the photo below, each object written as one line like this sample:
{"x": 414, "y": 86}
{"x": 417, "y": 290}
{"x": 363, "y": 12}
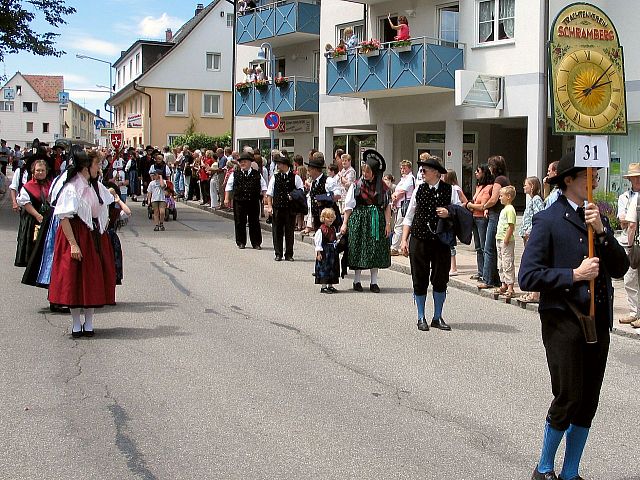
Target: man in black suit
{"x": 555, "y": 264}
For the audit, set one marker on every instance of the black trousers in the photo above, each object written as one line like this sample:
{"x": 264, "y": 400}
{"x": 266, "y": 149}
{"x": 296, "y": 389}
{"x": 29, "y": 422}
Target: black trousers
{"x": 576, "y": 368}
{"x": 3, "y": 168}
{"x": 283, "y": 225}
{"x": 204, "y": 191}
{"x": 430, "y": 262}
{"x": 243, "y": 211}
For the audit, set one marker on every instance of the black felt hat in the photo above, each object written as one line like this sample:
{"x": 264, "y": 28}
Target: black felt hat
{"x": 283, "y": 159}
{"x": 375, "y": 161}
{"x": 315, "y": 163}
{"x": 148, "y": 147}
{"x": 432, "y": 162}
{"x": 246, "y": 156}
{"x": 566, "y": 167}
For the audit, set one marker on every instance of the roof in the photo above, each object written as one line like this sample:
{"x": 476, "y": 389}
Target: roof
{"x": 135, "y": 44}
{"x": 47, "y": 86}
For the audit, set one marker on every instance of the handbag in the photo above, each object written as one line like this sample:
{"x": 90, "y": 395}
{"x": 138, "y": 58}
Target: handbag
{"x": 404, "y": 205}
{"x": 634, "y": 249}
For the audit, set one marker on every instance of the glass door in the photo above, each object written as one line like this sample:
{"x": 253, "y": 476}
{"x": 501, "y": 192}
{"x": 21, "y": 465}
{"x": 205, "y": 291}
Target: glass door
{"x": 448, "y": 25}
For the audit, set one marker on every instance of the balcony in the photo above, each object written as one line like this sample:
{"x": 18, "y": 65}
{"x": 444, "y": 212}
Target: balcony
{"x": 299, "y": 96}
{"x": 282, "y": 23}
{"x": 428, "y": 66}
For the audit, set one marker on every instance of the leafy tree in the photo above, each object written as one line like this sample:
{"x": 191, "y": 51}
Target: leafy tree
{"x": 202, "y": 141}
{"x": 16, "y": 20}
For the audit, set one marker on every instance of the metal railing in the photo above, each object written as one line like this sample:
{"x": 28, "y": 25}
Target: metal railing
{"x": 278, "y": 3}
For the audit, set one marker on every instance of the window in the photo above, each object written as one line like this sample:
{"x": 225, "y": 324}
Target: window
{"x": 176, "y": 103}
{"x": 118, "y": 78}
{"x": 124, "y": 74}
{"x": 171, "y": 137}
{"x": 213, "y": 61}
{"x": 358, "y": 30}
{"x": 211, "y": 104}
{"x": 45, "y": 128}
{"x": 131, "y": 68}
{"x": 448, "y": 28}
{"x": 83, "y": 117}
{"x": 30, "y": 106}
{"x": 316, "y": 66}
{"x": 230, "y": 20}
{"x": 6, "y": 106}
{"x": 495, "y": 16}
{"x": 29, "y": 127}
{"x": 137, "y": 63}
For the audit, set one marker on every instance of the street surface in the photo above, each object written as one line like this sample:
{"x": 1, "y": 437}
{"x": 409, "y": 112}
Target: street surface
{"x": 219, "y": 363}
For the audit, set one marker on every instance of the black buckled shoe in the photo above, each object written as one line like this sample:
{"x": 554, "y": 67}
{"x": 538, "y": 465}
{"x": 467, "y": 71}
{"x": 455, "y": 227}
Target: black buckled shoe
{"x": 278, "y": 258}
{"x": 357, "y": 286}
{"x": 574, "y": 478}
{"x": 374, "y": 288}
{"x": 543, "y": 476}
{"x": 77, "y": 334}
{"x": 88, "y": 333}
{"x": 289, "y": 259}
{"x": 440, "y": 323}
{"x": 423, "y": 325}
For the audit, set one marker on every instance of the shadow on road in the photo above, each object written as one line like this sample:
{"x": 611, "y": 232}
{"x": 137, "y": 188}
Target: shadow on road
{"x": 486, "y": 327}
{"x": 140, "y": 307}
{"x": 133, "y": 333}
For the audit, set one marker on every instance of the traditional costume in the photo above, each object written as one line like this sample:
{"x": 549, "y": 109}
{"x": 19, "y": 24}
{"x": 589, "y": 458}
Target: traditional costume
{"x": 33, "y": 192}
{"x": 327, "y": 271}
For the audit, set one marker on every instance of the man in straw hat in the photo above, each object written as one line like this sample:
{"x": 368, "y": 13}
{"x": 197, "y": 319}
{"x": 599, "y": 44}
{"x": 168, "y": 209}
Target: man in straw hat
{"x": 555, "y": 264}
{"x": 628, "y": 216}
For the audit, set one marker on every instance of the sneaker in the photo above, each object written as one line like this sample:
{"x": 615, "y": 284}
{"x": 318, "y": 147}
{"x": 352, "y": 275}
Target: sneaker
{"x": 627, "y": 320}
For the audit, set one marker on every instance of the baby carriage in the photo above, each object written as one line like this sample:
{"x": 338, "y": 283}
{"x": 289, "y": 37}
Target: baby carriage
{"x": 170, "y": 198}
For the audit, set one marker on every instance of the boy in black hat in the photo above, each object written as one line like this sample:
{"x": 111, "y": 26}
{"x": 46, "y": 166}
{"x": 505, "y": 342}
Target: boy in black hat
{"x": 555, "y": 264}
{"x": 248, "y": 187}
{"x": 429, "y": 256}
{"x": 278, "y": 203}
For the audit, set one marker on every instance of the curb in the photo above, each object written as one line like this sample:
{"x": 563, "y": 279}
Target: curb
{"x": 400, "y": 268}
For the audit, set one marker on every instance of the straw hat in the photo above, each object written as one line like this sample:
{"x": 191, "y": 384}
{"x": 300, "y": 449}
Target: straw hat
{"x": 633, "y": 171}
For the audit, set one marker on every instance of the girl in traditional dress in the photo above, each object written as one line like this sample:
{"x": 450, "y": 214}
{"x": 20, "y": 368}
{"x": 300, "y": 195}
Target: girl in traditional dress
{"x": 83, "y": 274}
{"x": 33, "y": 201}
{"x": 119, "y": 213}
{"x": 327, "y": 259}
{"x": 367, "y": 219}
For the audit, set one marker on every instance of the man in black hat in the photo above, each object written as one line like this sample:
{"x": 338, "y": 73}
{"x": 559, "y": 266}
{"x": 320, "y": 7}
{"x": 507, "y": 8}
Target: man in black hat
{"x": 555, "y": 264}
{"x": 58, "y": 158}
{"x": 5, "y": 156}
{"x": 248, "y": 187}
{"x": 318, "y": 185}
{"x": 278, "y": 204}
{"x": 429, "y": 255}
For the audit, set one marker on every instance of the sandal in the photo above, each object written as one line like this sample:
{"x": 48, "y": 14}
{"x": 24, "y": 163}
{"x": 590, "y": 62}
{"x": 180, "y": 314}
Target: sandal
{"x": 508, "y": 294}
{"x": 501, "y": 291}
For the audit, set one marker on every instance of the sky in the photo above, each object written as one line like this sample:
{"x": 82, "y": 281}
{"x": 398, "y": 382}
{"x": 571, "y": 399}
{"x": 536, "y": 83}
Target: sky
{"x": 100, "y": 29}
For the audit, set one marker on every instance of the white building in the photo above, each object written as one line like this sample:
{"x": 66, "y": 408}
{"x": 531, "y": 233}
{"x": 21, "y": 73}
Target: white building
{"x": 403, "y": 103}
{"x": 29, "y": 109}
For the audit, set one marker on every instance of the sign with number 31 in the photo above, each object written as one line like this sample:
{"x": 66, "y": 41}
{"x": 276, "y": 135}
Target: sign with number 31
{"x": 592, "y": 151}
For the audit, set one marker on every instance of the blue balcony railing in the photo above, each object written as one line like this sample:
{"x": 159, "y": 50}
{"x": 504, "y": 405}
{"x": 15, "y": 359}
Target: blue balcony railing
{"x": 279, "y": 19}
{"x": 427, "y": 63}
{"x": 298, "y": 96}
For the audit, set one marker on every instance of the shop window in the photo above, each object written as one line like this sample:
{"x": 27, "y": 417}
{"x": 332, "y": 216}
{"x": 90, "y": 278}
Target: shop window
{"x": 495, "y": 16}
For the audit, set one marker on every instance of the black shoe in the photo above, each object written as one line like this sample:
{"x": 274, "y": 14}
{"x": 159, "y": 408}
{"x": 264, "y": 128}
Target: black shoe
{"x": 357, "y": 286}
{"x": 257, "y": 247}
{"x": 574, "y": 478}
{"x": 332, "y": 289}
{"x": 289, "y": 259}
{"x": 325, "y": 290}
{"x": 374, "y": 288}
{"x": 76, "y": 334}
{"x": 88, "y": 333}
{"x": 423, "y": 325}
{"x": 543, "y": 476}
{"x": 440, "y": 323}
{"x": 241, "y": 247}
{"x": 278, "y": 258}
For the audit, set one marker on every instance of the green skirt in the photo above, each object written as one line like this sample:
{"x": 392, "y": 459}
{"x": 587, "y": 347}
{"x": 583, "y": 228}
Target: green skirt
{"x": 365, "y": 250}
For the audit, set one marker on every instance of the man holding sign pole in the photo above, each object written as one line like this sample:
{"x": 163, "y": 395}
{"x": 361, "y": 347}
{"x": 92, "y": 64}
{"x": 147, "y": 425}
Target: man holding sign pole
{"x": 556, "y": 263}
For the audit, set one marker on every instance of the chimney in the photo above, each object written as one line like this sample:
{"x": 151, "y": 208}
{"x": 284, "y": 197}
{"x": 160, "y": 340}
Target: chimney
{"x": 168, "y": 35}
{"x": 199, "y": 8}
{"x": 97, "y": 112}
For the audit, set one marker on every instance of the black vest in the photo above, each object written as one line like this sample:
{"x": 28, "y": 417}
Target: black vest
{"x": 425, "y": 220}
{"x": 318, "y": 188}
{"x": 246, "y": 187}
{"x": 283, "y": 185}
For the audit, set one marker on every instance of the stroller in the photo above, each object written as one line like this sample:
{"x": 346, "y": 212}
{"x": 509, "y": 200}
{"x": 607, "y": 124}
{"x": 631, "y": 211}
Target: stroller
{"x": 170, "y": 198}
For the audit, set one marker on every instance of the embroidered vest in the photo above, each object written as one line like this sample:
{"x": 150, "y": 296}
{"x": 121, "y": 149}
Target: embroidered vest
{"x": 283, "y": 185}
{"x": 317, "y": 188}
{"x": 425, "y": 220}
{"x": 246, "y": 187}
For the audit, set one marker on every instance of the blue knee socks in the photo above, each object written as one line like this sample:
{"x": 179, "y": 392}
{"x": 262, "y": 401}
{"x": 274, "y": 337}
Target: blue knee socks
{"x": 438, "y": 303}
{"x": 550, "y": 444}
{"x": 576, "y": 440}
{"x": 420, "y": 302}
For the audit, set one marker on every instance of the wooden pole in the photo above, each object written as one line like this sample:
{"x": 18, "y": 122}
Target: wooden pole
{"x": 592, "y": 283}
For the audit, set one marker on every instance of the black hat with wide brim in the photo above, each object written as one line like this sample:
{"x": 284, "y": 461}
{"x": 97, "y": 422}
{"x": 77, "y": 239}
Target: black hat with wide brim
{"x": 315, "y": 163}
{"x": 566, "y": 167}
{"x": 374, "y": 160}
{"x": 283, "y": 159}
{"x": 432, "y": 162}
{"x": 246, "y": 156}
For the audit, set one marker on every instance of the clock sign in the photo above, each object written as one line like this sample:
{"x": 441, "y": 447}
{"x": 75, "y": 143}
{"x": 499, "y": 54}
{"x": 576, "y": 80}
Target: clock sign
{"x": 586, "y": 74}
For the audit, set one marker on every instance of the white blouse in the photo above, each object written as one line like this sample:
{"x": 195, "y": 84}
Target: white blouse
{"x": 79, "y": 198}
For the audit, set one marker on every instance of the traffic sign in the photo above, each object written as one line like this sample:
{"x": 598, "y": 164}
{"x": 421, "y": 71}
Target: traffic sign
{"x": 116, "y": 140}
{"x": 9, "y": 93}
{"x": 101, "y": 123}
{"x": 63, "y": 98}
{"x": 272, "y": 120}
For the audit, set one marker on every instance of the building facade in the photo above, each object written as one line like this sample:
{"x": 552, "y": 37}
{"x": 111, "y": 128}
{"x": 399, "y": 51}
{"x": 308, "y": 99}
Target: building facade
{"x": 79, "y": 124}
{"x": 29, "y": 109}
{"x": 164, "y": 89}
{"x": 403, "y": 100}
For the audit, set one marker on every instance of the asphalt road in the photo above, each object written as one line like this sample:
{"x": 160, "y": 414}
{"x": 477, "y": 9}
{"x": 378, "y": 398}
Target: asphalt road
{"x": 219, "y": 363}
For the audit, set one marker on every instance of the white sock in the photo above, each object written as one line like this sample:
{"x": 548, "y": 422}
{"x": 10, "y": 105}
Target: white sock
{"x": 356, "y": 278}
{"x": 75, "y": 315}
{"x": 374, "y": 276}
{"x": 324, "y": 285}
{"x": 88, "y": 319}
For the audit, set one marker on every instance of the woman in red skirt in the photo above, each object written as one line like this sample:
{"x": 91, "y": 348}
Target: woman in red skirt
{"x": 83, "y": 274}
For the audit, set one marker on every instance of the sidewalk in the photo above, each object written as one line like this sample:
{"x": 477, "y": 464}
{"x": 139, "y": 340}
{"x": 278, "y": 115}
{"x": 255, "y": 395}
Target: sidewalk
{"x": 466, "y": 259}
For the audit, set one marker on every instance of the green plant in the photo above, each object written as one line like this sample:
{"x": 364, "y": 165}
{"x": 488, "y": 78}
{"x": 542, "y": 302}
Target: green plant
{"x": 607, "y": 203}
{"x": 202, "y": 141}
{"x": 401, "y": 43}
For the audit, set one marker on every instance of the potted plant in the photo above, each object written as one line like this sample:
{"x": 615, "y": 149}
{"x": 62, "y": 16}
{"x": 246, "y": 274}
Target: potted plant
{"x": 282, "y": 82}
{"x": 370, "y": 48}
{"x": 401, "y": 46}
{"x": 261, "y": 85}
{"x": 340, "y": 53}
{"x": 243, "y": 87}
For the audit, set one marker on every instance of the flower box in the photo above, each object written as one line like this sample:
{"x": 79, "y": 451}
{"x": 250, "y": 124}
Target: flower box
{"x": 405, "y": 48}
{"x": 370, "y": 52}
{"x": 261, "y": 85}
{"x": 282, "y": 82}
{"x": 243, "y": 88}
{"x": 341, "y": 57}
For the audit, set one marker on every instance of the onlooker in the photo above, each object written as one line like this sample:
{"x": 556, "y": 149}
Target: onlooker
{"x": 347, "y": 175}
{"x": 628, "y": 202}
{"x": 402, "y": 28}
{"x": 5, "y": 156}
{"x": 203, "y": 177}
{"x": 156, "y": 198}
{"x": 458, "y": 198}
{"x": 484, "y": 186}
{"x": 169, "y": 157}
{"x": 535, "y": 204}
{"x": 350, "y": 38}
{"x": 551, "y": 194}
{"x": 337, "y": 157}
{"x": 400, "y": 202}
{"x": 505, "y": 242}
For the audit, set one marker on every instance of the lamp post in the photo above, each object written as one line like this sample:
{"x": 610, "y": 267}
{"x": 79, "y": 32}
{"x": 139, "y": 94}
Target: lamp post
{"x": 87, "y": 57}
{"x": 262, "y": 58}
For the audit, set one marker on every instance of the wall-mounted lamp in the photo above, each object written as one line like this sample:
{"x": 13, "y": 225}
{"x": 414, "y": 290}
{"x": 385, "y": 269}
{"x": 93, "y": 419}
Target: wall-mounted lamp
{"x": 410, "y": 13}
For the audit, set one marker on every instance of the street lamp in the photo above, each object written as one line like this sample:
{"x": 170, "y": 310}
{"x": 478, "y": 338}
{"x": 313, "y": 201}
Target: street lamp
{"x": 87, "y": 57}
{"x": 262, "y": 58}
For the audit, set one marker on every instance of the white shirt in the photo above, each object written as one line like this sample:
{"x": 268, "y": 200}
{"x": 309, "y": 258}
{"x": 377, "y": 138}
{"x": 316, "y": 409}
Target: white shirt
{"x": 317, "y": 240}
{"x": 79, "y": 198}
{"x": 411, "y": 211}
{"x": 333, "y": 186}
{"x": 272, "y": 182}
{"x": 627, "y": 212}
{"x": 407, "y": 185}
{"x": 15, "y": 181}
{"x": 120, "y": 176}
{"x": 263, "y": 184}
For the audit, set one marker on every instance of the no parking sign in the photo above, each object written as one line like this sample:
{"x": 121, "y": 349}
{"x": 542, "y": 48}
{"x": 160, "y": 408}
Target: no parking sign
{"x": 272, "y": 120}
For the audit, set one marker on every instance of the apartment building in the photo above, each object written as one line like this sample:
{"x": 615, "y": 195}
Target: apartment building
{"x": 165, "y": 88}
{"x": 29, "y": 109}
{"x": 79, "y": 124}
{"x": 403, "y": 100}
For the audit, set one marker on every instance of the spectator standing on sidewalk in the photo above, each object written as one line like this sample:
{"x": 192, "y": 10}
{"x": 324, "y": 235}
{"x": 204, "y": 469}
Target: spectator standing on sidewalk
{"x": 627, "y": 214}
{"x": 484, "y": 187}
{"x": 552, "y": 192}
{"x": 459, "y": 198}
{"x": 400, "y": 200}
{"x": 535, "y": 204}
{"x": 505, "y": 242}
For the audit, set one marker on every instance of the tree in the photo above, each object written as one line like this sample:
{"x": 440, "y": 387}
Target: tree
{"x": 16, "y": 34}
{"x": 202, "y": 141}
